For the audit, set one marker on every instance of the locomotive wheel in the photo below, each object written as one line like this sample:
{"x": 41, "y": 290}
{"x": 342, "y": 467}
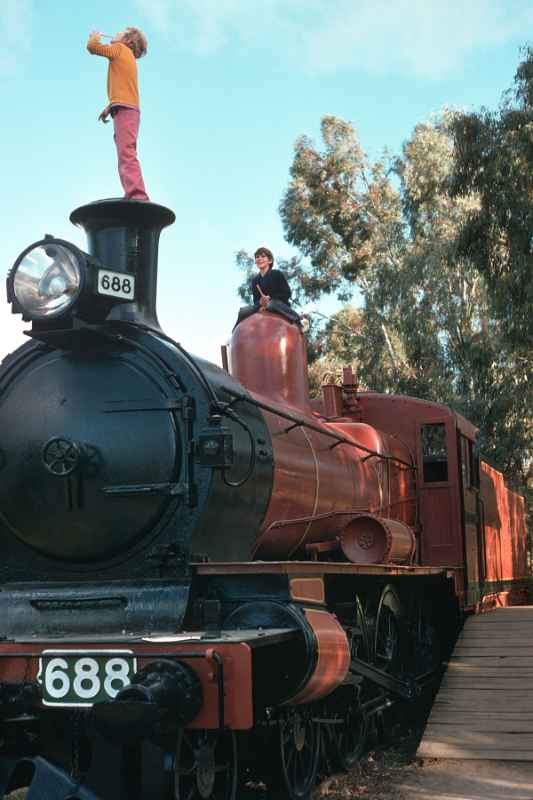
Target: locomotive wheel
{"x": 297, "y": 760}
{"x": 388, "y": 635}
{"x": 346, "y": 740}
{"x": 205, "y": 766}
{"x": 426, "y": 656}
{"x": 390, "y": 646}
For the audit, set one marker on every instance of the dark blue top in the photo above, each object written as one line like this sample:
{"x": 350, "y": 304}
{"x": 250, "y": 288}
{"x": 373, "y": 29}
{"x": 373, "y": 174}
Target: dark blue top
{"x": 273, "y": 284}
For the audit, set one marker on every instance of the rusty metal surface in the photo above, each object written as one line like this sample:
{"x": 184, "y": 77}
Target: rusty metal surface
{"x": 267, "y": 354}
{"x": 369, "y": 539}
{"x": 310, "y": 589}
{"x": 318, "y": 480}
{"x": 505, "y": 528}
{"x": 321, "y": 483}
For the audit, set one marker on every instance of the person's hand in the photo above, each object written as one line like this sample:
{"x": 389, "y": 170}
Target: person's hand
{"x": 264, "y": 300}
{"x": 104, "y": 115}
{"x": 95, "y": 35}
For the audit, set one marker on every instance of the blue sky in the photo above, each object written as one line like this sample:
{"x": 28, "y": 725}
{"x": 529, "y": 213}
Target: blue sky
{"x": 226, "y": 88}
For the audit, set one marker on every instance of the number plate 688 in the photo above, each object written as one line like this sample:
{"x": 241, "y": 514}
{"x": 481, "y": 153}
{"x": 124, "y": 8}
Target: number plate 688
{"x": 82, "y": 678}
{"x": 116, "y": 284}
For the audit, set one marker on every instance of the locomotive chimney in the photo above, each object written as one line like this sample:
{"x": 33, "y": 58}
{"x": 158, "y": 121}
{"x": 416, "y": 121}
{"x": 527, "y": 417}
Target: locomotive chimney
{"x": 124, "y": 236}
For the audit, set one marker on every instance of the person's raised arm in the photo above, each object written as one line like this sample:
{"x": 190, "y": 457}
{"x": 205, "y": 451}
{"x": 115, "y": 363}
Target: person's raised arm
{"x": 95, "y": 47}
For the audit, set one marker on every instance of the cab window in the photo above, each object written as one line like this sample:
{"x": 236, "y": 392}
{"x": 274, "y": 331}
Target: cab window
{"x": 434, "y": 453}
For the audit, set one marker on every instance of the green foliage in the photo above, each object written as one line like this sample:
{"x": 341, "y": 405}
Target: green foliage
{"x": 429, "y": 324}
{"x": 334, "y": 203}
{"x": 494, "y": 158}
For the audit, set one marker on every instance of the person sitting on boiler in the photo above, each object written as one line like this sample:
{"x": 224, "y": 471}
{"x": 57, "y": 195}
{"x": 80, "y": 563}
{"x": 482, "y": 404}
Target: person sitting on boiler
{"x": 270, "y": 290}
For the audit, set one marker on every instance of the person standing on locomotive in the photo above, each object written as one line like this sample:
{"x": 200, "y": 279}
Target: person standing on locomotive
{"x": 270, "y": 289}
{"x": 123, "y": 107}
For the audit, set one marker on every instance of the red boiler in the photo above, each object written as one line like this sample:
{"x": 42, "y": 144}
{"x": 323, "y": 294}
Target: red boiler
{"x": 338, "y": 485}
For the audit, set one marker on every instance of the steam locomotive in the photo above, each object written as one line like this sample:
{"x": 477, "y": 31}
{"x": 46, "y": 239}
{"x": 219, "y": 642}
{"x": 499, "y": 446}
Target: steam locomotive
{"x": 205, "y": 575}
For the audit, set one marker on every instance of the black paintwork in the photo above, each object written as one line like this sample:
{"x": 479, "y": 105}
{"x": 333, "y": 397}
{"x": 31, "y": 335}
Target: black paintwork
{"x": 104, "y": 490}
{"x": 124, "y": 236}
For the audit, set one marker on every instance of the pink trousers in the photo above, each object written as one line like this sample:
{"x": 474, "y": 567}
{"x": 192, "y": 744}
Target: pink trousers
{"x": 126, "y": 122}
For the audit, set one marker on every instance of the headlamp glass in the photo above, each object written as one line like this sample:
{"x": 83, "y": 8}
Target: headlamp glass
{"x": 47, "y": 280}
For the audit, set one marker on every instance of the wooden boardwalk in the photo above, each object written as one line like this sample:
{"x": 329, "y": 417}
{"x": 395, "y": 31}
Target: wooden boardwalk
{"x": 484, "y": 707}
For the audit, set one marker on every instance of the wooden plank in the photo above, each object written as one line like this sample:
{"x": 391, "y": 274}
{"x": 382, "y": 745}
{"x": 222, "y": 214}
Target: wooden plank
{"x": 460, "y": 699}
{"x": 498, "y": 613}
{"x": 472, "y": 707}
{"x": 483, "y": 723}
{"x": 518, "y": 727}
{"x": 474, "y": 663}
{"x": 497, "y": 619}
{"x": 524, "y": 667}
{"x": 526, "y": 696}
{"x": 505, "y": 631}
{"x": 496, "y": 641}
{"x": 524, "y": 639}
{"x": 452, "y": 705}
{"x": 484, "y": 707}
{"x": 508, "y": 678}
{"x": 478, "y": 682}
{"x": 486, "y": 665}
{"x": 490, "y": 650}
{"x": 503, "y": 611}
{"x": 488, "y": 713}
{"x": 441, "y": 750}
{"x": 491, "y": 619}
{"x": 503, "y": 625}
{"x": 499, "y": 625}
{"x": 505, "y": 645}
{"x": 491, "y": 660}
{"x": 496, "y": 672}
{"x": 490, "y": 624}
{"x": 479, "y": 739}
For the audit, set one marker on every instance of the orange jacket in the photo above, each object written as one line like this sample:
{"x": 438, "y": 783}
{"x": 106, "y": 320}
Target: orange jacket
{"x": 122, "y": 88}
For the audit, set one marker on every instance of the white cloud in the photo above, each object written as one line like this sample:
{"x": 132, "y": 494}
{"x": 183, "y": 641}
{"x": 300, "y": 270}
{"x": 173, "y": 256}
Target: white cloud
{"x": 15, "y": 33}
{"x": 216, "y": 23}
{"x": 426, "y": 38}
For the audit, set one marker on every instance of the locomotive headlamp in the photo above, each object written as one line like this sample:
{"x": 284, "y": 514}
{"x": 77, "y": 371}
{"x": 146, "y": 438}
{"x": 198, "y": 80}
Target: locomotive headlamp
{"x": 46, "y": 279}
{"x": 52, "y": 278}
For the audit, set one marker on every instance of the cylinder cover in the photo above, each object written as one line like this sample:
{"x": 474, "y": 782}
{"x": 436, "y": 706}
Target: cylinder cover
{"x": 368, "y": 539}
